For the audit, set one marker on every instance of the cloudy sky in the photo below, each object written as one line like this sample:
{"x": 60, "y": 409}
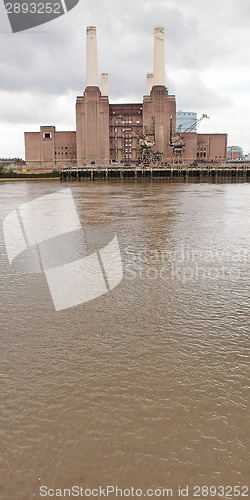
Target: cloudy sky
{"x": 207, "y": 64}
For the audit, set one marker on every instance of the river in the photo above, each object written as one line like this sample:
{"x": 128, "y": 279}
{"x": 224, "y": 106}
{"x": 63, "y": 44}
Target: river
{"x": 146, "y": 386}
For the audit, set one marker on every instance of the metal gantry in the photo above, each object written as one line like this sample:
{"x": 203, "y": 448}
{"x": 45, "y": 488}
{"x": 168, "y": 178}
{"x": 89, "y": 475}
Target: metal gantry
{"x": 178, "y": 141}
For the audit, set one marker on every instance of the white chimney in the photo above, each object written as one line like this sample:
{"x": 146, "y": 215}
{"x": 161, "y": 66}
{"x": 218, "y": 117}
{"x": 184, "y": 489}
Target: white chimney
{"x": 105, "y": 84}
{"x": 92, "y": 71}
{"x": 159, "y": 56}
{"x": 149, "y": 83}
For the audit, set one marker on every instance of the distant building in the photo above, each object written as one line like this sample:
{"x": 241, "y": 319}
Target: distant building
{"x": 109, "y": 133}
{"x": 185, "y": 120}
{"x": 11, "y": 161}
{"x": 234, "y": 153}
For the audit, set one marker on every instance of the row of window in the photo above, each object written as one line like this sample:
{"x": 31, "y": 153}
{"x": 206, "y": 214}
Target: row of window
{"x": 127, "y": 147}
{"x": 203, "y": 155}
{"x": 66, "y": 153}
{"x": 126, "y": 136}
{"x": 128, "y": 122}
{"x": 114, "y": 112}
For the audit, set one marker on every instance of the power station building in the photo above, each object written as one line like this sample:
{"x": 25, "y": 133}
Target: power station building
{"x": 113, "y": 133}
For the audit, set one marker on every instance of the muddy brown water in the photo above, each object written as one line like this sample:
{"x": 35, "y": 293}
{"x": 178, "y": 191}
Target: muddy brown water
{"x": 145, "y": 387}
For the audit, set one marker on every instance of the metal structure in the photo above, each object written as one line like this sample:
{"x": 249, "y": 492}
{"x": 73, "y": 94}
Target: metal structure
{"x": 177, "y": 140}
{"x": 145, "y": 147}
{"x": 146, "y": 142}
{"x": 146, "y": 156}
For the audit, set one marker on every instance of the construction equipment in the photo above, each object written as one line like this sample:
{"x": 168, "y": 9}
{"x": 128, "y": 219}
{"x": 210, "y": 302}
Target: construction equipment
{"x": 146, "y": 156}
{"x": 177, "y": 140}
{"x": 146, "y": 142}
{"x": 145, "y": 149}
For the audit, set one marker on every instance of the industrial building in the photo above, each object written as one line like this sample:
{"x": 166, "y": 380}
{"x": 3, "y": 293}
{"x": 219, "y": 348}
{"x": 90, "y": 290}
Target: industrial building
{"x": 128, "y": 134}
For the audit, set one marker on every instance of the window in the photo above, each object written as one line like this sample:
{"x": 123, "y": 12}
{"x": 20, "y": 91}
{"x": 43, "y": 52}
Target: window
{"x": 47, "y": 135}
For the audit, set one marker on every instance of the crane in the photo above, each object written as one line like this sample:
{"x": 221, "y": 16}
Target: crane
{"x": 146, "y": 157}
{"x": 177, "y": 140}
{"x": 146, "y": 142}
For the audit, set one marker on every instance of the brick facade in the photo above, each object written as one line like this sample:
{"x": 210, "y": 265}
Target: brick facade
{"x": 108, "y": 133}
{"x": 49, "y": 149}
{"x": 211, "y": 147}
{"x": 121, "y": 133}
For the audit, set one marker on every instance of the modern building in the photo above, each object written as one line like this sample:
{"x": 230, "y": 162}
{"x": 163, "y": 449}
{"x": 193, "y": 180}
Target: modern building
{"x": 234, "y": 153}
{"x": 185, "y": 120}
{"x": 113, "y": 133}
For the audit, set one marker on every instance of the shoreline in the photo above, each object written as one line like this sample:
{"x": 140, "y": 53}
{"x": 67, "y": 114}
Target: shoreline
{"x": 207, "y": 180}
{"x": 4, "y": 179}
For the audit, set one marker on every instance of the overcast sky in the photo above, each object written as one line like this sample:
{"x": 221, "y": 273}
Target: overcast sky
{"x": 207, "y": 64}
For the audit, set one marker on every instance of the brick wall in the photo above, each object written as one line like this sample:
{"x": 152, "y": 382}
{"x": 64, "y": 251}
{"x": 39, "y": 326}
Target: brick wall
{"x": 211, "y": 147}
{"x": 49, "y": 149}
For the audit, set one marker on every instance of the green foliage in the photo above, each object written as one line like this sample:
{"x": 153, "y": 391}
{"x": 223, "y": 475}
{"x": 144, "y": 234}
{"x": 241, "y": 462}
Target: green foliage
{"x": 10, "y": 174}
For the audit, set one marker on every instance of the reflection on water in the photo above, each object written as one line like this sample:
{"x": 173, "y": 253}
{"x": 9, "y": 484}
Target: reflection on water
{"x": 147, "y": 385}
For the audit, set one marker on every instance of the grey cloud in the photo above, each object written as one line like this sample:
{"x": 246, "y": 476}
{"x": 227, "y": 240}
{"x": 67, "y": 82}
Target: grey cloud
{"x": 54, "y": 62}
{"x": 198, "y": 96}
{"x": 239, "y": 88}
{"x": 49, "y": 61}
{"x": 44, "y": 109}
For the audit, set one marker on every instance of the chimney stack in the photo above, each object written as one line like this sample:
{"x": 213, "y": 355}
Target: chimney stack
{"x": 149, "y": 83}
{"x": 92, "y": 71}
{"x": 105, "y": 84}
{"x": 159, "y": 56}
